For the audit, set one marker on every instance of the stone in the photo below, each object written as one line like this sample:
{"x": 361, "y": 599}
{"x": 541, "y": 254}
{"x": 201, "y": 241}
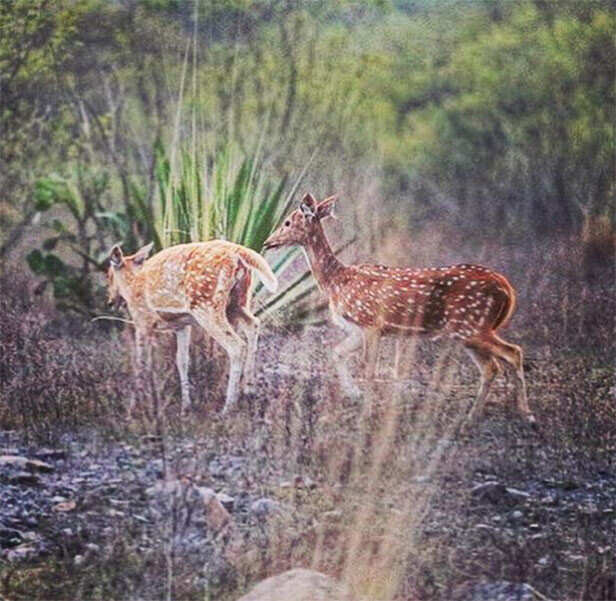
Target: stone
{"x": 492, "y": 491}
{"x": 23, "y": 463}
{"x": 515, "y": 494}
{"x": 22, "y": 552}
{"x": 65, "y": 506}
{"x": 497, "y": 493}
{"x": 299, "y": 585}
{"x": 576, "y": 558}
{"x": 50, "y": 454}
{"x": 493, "y": 591}
{"x": 216, "y": 516}
{"x": 549, "y": 500}
{"x": 226, "y": 500}
{"x": 334, "y": 515}
{"x": 264, "y": 506}
{"x": 24, "y": 478}
{"x": 301, "y": 482}
{"x": 9, "y": 537}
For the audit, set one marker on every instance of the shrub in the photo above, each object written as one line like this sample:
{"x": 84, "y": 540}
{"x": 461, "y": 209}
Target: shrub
{"x": 56, "y": 372}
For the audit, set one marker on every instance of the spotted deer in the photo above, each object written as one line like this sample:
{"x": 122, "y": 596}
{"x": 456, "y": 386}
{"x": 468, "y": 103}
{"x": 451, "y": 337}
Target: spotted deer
{"x": 464, "y": 302}
{"x": 204, "y": 284}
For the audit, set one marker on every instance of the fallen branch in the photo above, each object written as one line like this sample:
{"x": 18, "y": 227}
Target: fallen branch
{"x": 112, "y": 318}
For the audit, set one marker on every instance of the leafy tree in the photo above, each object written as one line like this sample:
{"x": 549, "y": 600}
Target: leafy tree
{"x": 511, "y": 119}
{"x": 36, "y": 39}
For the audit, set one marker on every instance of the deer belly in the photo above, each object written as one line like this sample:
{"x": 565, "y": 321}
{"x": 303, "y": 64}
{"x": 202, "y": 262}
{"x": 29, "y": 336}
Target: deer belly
{"x": 343, "y": 322}
{"x": 174, "y": 321}
{"x": 167, "y": 303}
{"x": 412, "y": 329}
{"x": 166, "y": 295}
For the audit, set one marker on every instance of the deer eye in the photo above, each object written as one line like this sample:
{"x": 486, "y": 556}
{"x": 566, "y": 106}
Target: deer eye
{"x": 287, "y": 223}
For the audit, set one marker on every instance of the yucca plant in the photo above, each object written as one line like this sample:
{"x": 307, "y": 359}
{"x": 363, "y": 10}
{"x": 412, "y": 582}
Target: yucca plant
{"x": 204, "y": 191}
{"x": 203, "y": 195}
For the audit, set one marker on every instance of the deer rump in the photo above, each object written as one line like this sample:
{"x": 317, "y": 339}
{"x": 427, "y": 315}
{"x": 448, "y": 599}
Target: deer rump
{"x": 239, "y": 297}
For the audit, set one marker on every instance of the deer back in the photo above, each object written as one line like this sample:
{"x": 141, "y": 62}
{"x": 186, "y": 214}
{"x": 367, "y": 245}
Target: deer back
{"x": 185, "y": 276}
{"x": 460, "y": 299}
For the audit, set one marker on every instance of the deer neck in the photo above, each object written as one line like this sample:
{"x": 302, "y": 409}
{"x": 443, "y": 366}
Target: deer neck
{"x": 321, "y": 258}
{"x": 126, "y": 284}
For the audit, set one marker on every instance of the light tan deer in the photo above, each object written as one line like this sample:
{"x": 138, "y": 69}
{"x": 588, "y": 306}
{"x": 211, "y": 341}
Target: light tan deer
{"x": 465, "y": 302}
{"x": 203, "y": 283}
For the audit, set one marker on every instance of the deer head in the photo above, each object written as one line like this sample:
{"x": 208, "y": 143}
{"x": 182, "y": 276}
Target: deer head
{"x": 120, "y": 272}
{"x": 299, "y": 226}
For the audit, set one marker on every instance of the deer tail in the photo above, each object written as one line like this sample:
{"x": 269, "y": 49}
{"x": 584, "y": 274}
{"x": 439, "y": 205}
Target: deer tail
{"x": 256, "y": 262}
{"x": 508, "y": 305}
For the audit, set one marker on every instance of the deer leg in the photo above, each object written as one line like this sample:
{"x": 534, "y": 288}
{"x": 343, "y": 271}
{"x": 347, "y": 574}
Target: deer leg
{"x": 514, "y": 356}
{"x": 243, "y": 321}
{"x": 141, "y": 363}
{"x": 182, "y": 358}
{"x": 249, "y": 325}
{"x": 218, "y": 327}
{"x": 489, "y": 368}
{"x": 397, "y": 358}
{"x": 371, "y": 355}
{"x": 341, "y": 352}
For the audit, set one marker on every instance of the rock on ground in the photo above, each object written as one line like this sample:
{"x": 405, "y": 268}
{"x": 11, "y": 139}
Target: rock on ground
{"x": 23, "y": 463}
{"x": 494, "y": 591}
{"x": 299, "y": 585}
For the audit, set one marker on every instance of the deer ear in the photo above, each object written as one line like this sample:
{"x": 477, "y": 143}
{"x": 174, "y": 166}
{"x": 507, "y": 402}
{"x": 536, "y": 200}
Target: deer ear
{"x": 116, "y": 257}
{"x": 326, "y": 207}
{"x": 309, "y": 200}
{"x": 143, "y": 253}
{"x": 308, "y": 206}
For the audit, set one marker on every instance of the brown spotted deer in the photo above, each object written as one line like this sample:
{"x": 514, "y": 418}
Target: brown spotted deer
{"x": 465, "y": 302}
{"x": 204, "y": 284}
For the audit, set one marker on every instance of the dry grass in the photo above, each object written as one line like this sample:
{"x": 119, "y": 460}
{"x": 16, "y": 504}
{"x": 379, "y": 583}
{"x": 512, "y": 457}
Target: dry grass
{"x": 378, "y": 492}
